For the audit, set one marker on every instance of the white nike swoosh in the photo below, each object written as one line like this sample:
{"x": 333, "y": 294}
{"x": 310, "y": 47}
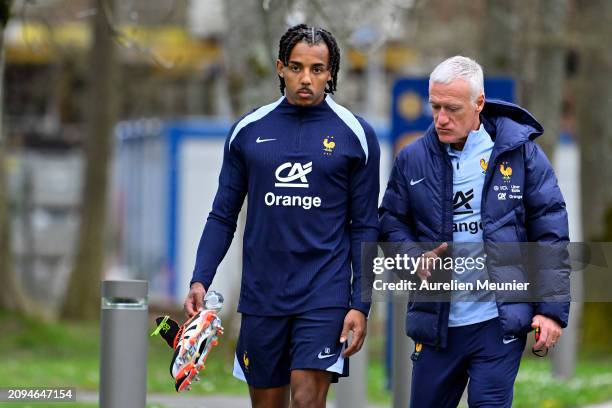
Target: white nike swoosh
{"x": 263, "y": 140}
{"x": 412, "y": 182}
{"x": 322, "y": 356}
{"x": 509, "y": 340}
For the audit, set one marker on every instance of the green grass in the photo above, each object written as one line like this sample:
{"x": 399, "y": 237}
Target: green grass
{"x": 56, "y": 405}
{"x": 534, "y": 386}
{"x": 38, "y": 354}
{"x": 40, "y": 404}
{"x": 66, "y": 354}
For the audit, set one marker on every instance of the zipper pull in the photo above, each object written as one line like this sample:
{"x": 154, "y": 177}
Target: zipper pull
{"x": 417, "y": 351}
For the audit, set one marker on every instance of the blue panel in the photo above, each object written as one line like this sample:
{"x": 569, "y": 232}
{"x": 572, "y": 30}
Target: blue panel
{"x": 173, "y": 141}
{"x": 410, "y": 108}
{"x": 500, "y": 88}
{"x": 176, "y": 133}
{"x": 198, "y": 128}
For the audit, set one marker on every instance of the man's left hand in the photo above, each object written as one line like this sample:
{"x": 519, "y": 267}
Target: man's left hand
{"x": 550, "y": 331}
{"x": 354, "y": 321}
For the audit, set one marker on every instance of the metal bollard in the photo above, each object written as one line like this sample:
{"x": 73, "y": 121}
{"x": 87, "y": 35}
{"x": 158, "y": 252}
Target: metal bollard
{"x": 351, "y": 392}
{"x": 123, "y": 348}
{"x": 402, "y": 364}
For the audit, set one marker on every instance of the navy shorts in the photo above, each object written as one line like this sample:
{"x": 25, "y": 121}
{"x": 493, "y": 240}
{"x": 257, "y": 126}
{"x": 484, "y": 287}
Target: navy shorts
{"x": 478, "y": 352}
{"x": 269, "y": 347}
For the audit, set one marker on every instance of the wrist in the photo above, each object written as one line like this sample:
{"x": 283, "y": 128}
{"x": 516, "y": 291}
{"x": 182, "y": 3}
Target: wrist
{"x": 197, "y": 285}
{"x": 365, "y": 315}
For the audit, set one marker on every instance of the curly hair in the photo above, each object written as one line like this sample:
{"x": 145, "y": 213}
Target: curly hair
{"x": 311, "y": 36}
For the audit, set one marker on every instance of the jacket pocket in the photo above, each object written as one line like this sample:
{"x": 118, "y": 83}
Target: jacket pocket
{"x": 503, "y": 221}
{"x": 519, "y": 224}
{"x": 422, "y": 323}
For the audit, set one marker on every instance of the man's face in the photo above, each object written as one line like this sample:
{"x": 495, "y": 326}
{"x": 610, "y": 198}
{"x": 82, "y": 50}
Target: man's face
{"x": 306, "y": 74}
{"x": 455, "y": 115}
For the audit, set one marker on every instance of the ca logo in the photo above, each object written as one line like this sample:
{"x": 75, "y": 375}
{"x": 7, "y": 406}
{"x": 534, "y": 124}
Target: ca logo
{"x": 296, "y": 171}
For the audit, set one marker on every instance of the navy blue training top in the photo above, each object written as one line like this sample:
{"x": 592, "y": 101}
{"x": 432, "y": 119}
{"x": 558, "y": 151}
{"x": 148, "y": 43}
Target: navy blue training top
{"x": 312, "y": 179}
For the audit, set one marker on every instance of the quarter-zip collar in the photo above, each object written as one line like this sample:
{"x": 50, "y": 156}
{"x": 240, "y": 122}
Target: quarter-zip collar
{"x": 304, "y": 111}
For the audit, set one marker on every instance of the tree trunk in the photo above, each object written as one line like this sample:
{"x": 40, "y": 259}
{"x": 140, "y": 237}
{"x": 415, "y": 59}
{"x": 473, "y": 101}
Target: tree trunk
{"x": 500, "y": 38}
{"x": 546, "y": 105}
{"x": 594, "y": 104}
{"x": 82, "y": 300}
{"x": 251, "y": 69}
{"x": 532, "y": 50}
{"x": 11, "y": 293}
{"x": 546, "y": 96}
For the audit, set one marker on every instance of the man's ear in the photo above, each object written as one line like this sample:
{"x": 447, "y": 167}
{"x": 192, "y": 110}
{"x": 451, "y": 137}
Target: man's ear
{"x": 480, "y": 102}
{"x": 279, "y": 67}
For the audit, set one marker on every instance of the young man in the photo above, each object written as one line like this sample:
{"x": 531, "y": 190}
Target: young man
{"x": 477, "y": 165}
{"x": 310, "y": 169}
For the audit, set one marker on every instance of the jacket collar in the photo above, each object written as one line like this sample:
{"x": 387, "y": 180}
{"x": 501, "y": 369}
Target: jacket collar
{"x": 289, "y": 108}
{"x": 508, "y": 124}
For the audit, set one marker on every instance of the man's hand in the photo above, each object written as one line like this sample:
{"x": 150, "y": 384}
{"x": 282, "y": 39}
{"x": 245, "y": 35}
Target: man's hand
{"x": 428, "y": 258}
{"x": 195, "y": 299}
{"x": 354, "y": 321}
{"x": 550, "y": 331}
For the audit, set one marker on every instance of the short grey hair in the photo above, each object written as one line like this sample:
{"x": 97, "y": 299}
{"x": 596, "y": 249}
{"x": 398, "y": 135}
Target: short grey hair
{"x": 459, "y": 67}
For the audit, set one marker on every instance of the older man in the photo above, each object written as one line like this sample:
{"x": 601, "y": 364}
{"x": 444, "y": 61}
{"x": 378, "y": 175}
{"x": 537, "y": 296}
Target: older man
{"x": 450, "y": 179}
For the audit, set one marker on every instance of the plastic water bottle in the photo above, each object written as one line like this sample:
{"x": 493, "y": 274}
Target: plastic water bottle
{"x": 213, "y": 301}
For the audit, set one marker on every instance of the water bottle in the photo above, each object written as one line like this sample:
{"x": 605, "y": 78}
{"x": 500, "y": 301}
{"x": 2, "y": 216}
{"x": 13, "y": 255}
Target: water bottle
{"x": 213, "y": 301}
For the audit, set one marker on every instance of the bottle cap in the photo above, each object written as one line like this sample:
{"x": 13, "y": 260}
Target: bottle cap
{"x": 213, "y": 300}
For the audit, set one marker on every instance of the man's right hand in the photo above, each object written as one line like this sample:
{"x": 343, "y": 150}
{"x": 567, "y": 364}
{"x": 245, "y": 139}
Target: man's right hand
{"x": 195, "y": 299}
{"x": 428, "y": 257}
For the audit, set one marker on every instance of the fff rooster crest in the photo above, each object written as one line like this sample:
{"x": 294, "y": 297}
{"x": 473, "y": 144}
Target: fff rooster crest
{"x": 328, "y": 145}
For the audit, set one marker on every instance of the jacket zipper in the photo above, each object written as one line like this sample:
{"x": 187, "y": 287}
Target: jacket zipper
{"x": 298, "y": 141}
{"x": 447, "y": 175}
{"x": 488, "y": 178}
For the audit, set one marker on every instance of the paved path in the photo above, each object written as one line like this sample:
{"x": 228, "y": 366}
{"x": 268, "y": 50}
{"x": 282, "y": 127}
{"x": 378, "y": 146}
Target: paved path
{"x": 216, "y": 401}
{"x": 180, "y": 401}
{"x": 187, "y": 401}
{"x": 602, "y": 405}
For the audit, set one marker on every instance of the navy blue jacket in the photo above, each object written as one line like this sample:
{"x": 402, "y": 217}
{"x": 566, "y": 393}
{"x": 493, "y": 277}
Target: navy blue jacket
{"x": 311, "y": 178}
{"x": 423, "y": 212}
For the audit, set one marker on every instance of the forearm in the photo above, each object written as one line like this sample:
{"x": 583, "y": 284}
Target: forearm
{"x": 214, "y": 244}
